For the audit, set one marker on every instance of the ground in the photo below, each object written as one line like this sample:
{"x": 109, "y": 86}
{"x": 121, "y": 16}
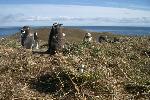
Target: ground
{"x": 113, "y": 70}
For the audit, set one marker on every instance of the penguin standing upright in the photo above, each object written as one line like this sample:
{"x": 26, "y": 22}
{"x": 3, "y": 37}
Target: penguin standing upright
{"x": 28, "y": 39}
{"x": 87, "y": 37}
{"x": 56, "y": 39}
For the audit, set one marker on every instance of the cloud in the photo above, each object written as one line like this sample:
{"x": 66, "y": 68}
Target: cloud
{"x": 135, "y": 20}
{"x": 71, "y": 14}
{"x": 36, "y": 18}
{"x": 100, "y": 19}
{"x": 66, "y": 18}
{"x": 23, "y": 18}
{"x": 11, "y": 18}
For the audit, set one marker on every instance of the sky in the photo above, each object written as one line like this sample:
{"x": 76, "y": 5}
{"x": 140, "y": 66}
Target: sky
{"x": 75, "y": 12}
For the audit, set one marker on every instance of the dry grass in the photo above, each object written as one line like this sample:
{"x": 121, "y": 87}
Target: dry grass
{"x": 113, "y": 71}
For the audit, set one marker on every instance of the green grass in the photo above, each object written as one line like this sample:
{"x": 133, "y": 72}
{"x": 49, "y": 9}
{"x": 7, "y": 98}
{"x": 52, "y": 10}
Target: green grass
{"x": 112, "y": 70}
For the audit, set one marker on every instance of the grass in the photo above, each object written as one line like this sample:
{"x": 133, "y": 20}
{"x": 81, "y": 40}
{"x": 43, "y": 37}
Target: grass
{"x": 118, "y": 71}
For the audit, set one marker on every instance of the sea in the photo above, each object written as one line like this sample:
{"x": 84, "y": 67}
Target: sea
{"x": 124, "y": 30}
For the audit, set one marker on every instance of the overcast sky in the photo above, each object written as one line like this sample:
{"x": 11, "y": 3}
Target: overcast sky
{"x": 75, "y": 12}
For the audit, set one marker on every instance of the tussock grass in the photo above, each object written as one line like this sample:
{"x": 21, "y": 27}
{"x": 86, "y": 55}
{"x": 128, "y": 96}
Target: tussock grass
{"x": 118, "y": 71}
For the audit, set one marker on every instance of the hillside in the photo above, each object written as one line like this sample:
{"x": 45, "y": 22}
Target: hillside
{"x": 113, "y": 71}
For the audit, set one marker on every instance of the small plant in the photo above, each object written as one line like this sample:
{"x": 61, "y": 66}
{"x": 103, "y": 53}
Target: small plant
{"x": 95, "y": 51}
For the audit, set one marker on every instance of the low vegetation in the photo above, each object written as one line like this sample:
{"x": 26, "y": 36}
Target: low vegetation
{"x": 112, "y": 70}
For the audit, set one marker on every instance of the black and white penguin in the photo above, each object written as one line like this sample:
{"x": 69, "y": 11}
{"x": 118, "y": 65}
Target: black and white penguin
{"x": 56, "y": 39}
{"x": 28, "y": 39}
